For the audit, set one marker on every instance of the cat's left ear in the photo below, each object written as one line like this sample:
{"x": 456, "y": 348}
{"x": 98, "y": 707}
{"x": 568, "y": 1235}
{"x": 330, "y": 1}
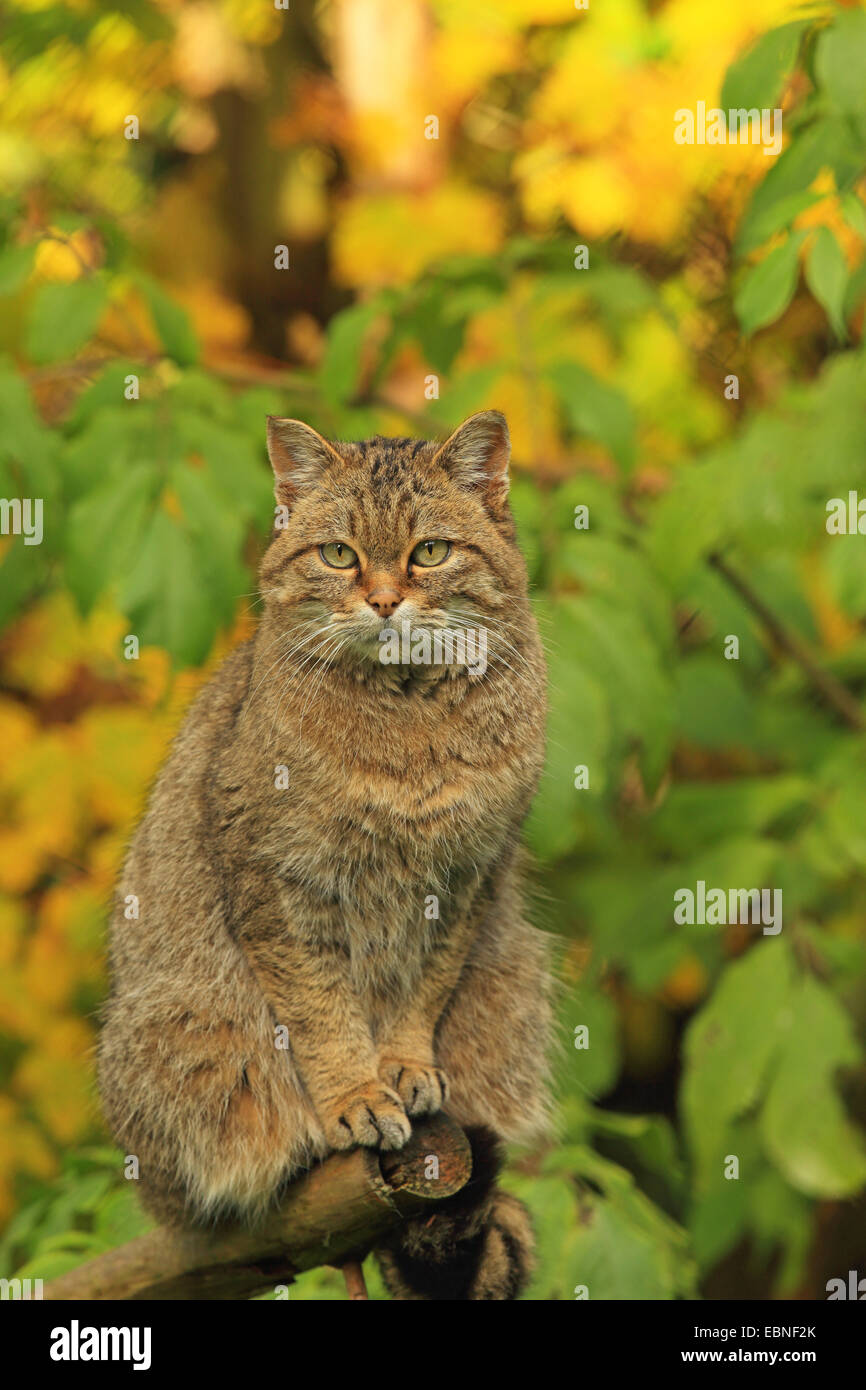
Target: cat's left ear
{"x": 477, "y": 454}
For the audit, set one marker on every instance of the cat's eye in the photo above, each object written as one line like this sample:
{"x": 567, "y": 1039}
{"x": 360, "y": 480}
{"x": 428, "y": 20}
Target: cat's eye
{"x": 338, "y": 555}
{"x": 430, "y": 553}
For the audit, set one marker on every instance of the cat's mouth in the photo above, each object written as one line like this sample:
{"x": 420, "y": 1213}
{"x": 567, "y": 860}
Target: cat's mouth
{"x": 410, "y": 641}
{"x": 367, "y": 633}
{"x": 407, "y": 644}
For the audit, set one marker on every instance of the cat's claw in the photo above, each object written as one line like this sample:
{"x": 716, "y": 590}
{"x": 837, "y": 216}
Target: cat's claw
{"x": 423, "y": 1089}
{"x": 372, "y": 1116}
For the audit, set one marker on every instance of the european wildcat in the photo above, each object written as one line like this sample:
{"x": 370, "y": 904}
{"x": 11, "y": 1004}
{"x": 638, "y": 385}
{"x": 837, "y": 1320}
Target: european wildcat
{"x": 317, "y": 811}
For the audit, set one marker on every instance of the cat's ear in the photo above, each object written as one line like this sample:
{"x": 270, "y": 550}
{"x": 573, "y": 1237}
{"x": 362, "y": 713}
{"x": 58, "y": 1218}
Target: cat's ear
{"x": 476, "y": 456}
{"x": 298, "y": 454}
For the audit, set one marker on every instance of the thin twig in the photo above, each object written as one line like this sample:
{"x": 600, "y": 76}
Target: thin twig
{"x": 835, "y": 694}
{"x": 353, "y": 1274}
{"x": 240, "y": 375}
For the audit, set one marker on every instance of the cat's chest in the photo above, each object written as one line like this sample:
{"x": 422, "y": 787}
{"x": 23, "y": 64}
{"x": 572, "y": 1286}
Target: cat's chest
{"x": 415, "y": 795}
{"x": 379, "y": 838}
{"x": 433, "y": 810}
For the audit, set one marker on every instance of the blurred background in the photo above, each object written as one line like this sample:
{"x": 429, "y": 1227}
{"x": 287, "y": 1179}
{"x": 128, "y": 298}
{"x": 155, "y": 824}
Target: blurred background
{"x": 370, "y": 214}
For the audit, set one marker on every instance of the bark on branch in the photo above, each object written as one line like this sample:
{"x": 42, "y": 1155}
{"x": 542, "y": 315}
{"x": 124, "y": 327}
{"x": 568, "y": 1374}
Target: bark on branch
{"x": 333, "y": 1215}
{"x": 832, "y": 691}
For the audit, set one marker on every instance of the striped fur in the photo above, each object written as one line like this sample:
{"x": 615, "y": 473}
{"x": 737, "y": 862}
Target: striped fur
{"x": 304, "y": 913}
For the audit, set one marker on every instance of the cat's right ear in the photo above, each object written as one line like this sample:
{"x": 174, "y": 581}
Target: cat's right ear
{"x": 299, "y": 455}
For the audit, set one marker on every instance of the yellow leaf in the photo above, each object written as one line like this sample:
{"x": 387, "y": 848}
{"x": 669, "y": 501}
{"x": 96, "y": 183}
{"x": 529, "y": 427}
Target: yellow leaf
{"x": 387, "y": 238}
{"x": 56, "y": 1079}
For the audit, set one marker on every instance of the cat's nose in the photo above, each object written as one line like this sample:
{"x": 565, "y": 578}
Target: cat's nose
{"x": 384, "y": 601}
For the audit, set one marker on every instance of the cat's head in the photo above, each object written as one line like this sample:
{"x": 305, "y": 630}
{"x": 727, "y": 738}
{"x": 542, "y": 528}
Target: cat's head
{"x": 390, "y": 535}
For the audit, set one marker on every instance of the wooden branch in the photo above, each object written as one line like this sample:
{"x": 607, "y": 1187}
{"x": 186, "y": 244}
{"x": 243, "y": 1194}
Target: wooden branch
{"x": 832, "y": 691}
{"x": 356, "y": 1287}
{"x": 333, "y": 1215}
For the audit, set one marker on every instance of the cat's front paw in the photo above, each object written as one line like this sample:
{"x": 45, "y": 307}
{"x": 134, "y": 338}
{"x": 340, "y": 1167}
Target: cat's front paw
{"x": 372, "y": 1115}
{"x": 423, "y": 1089}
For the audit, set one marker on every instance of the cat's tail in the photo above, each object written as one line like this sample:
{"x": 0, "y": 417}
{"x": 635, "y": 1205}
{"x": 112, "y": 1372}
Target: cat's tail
{"x": 477, "y": 1244}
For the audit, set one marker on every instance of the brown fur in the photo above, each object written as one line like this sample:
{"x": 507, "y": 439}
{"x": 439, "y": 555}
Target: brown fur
{"x": 477, "y": 1248}
{"x": 305, "y": 906}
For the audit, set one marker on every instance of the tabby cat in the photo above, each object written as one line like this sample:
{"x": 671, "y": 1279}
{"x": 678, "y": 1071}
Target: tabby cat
{"x": 330, "y": 857}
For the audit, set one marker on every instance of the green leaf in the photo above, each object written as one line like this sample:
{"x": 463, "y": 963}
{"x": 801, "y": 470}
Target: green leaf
{"x": 618, "y": 1243}
{"x": 103, "y": 533}
{"x": 19, "y": 1234}
{"x": 713, "y": 709}
{"x": 340, "y": 372}
{"x": 618, "y": 571}
{"x": 840, "y": 61}
{"x": 695, "y": 814}
{"x": 729, "y": 1049}
{"x": 594, "y": 1066}
{"x": 719, "y": 1220}
{"x": 854, "y": 213}
{"x": 595, "y": 409}
{"x": 653, "y": 1148}
{"x": 845, "y": 568}
{"x": 16, "y": 263}
{"x": 24, "y": 571}
{"x": 578, "y": 732}
{"x": 755, "y": 79}
{"x": 171, "y": 322}
{"x": 419, "y": 318}
{"x": 774, "y": 218}
{"x": 120, "y": 1218}
{"x": 803, "y": 1124}
{"x": 614, "y": 649}
{"x": 773, "y": 1038}
{"x": 25, "y": 442}
{"x": 468, "y": 393}
{"x": 768, "y": 288}
{"x": 780, "y": 1219}
{"x": 827, "y": 277}
{"x": 116, "y": 439}
{"x": 525, "y": 501}
{"x": 105, "y": 392}
{"x": 552, "y": 1203}
{"x": 828, "y": 143}
{"x": 250, "y": 410}
{"x": 624, "y": 1247}
{"x": 238, "y": 466}
{"x": 53, "y": 1263}
{"x": 63, "y": 317}
{"x": 165, "y": 595}
{"x": 218, "y": 531}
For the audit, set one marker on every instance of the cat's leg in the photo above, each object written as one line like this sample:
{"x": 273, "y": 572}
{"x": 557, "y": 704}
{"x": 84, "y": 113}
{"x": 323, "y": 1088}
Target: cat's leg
{"x": 295, "y": 945}
{"x": 492, "y": 1042}
{"x": 475, "y": 1037}
{"x": 407, "y": 1065}
{"x": 494, "y": 1038}
{"x": 477, "y": 1245}
{"x": 197, "y": 1089}
{"x": 407, "y": 1051}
